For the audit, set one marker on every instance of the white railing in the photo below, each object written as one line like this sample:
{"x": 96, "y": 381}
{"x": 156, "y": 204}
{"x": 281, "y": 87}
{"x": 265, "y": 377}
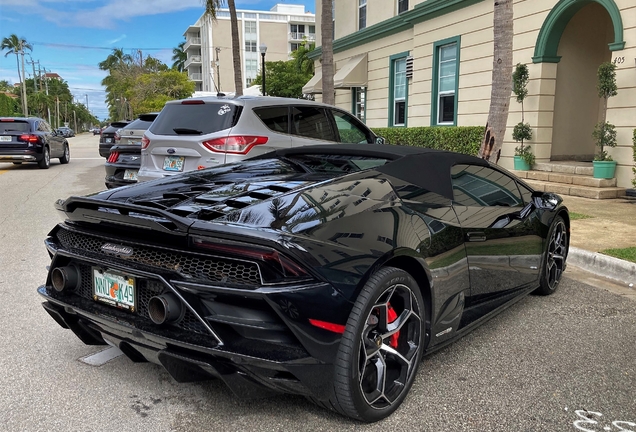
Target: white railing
{"x": 196, "y": 77}
{"x": 311, "y": 37}
{"x": 192, "y": 59}
{"x": 194, "y": 40}
{"x": 296, "y": 35}
{"x": 311, "y": 18}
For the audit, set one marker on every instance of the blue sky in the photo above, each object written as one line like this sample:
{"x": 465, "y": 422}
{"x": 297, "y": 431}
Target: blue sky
{"x": 70, "y": 37}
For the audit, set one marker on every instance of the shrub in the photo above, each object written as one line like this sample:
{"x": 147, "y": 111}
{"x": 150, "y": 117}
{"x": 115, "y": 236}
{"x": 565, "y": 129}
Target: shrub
{"x": 8, "y": 106}
{"x": 459, "y": 139}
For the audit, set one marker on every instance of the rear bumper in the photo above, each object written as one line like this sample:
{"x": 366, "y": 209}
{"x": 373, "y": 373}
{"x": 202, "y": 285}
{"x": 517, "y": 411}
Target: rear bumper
{"x": 247, "y": 376}
{"x": 115, "y": 174}
{"x": 30, "y": 155}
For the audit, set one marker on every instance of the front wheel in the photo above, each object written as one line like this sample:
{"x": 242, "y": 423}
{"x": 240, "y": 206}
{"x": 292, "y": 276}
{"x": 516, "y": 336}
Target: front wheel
{"x": 67, "y": 155}
{"x": 556, "y": 254}
{"x": 381, "y": 347}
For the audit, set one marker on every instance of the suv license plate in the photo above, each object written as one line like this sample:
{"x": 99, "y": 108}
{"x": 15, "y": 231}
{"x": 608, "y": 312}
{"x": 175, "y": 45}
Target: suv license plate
{"x": 5, "y": 138}
{"x": 115, "y": 289}
{"x": 130, "y": 175}
{"x": 109, "y": 140}
{"x": 173, "y": 163}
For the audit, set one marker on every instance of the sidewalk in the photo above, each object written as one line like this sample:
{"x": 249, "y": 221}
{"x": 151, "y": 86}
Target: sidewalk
{"x": 612, "y": 225}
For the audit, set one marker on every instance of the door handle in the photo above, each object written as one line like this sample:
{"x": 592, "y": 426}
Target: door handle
{"x": 476, "y": 236}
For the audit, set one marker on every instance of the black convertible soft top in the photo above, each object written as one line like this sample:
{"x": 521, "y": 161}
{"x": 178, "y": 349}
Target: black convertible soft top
{"x": 423, "y": 167}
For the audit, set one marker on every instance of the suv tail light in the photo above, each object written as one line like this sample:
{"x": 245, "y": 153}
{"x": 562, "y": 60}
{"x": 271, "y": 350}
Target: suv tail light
{"x": 112, "y": 158}
{"x": 28, "y": 138}
{"x": 145, "y": 142}
{"x": 235, "y": 144}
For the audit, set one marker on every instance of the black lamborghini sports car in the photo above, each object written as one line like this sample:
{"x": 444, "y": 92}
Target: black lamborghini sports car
{"x": 324, "y": 271}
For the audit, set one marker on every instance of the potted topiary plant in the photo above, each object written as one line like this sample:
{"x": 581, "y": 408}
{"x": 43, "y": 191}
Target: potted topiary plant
{"x": 524, "y": 158}
{"x": 604, "y": 132}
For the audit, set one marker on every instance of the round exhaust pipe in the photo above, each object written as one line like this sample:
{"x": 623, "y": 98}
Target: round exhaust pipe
{"x": 164, "y": 309}
{"x": 67, "y": 277}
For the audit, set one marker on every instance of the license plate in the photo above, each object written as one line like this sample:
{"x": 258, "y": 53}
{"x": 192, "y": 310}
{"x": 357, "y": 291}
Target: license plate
{"x": 173, "y": 163}
{"x": 114, "y": 288}
{"x": 130, "y": 175}
{"x": 109, "y": 140}
{"x": 5, "y": 138}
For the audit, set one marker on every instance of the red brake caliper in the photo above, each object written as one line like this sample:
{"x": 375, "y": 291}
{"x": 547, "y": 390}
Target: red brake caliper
{"x": 392, "y": 316}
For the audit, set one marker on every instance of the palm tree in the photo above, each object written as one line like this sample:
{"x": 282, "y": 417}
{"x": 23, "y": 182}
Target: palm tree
{"x": 326, "y": 30}
{"x": 15, "y": 45}
{"x": 115, "y": 59}
{"x": 211, "y": 7}
{"x": 501, "y": 82}
{"x": 179, "y": 57}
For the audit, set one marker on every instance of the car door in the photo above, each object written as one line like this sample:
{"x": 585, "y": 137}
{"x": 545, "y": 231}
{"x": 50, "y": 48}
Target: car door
{"x": 55, "y": 140}
{"x": 503, "y": 241}
{"x": 311, "y": 125}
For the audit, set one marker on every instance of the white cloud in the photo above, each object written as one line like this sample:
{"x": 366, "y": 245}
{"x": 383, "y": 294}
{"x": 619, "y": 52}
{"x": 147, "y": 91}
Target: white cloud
{"x": 122, "y": 37}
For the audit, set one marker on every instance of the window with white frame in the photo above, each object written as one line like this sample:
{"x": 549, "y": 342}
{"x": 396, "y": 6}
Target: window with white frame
{"x": 358, "y": 97}
{"x": 250, "y": 27}
{"x": 446, "y": 71}
{"x": 251, "y": 70}
{"x": 362, "y": 14}
{"x": 250, "y": 46}
{"x": 398, "y": 91}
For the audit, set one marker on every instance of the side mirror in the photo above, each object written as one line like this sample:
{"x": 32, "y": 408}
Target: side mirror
{"x": 380, "y": 140}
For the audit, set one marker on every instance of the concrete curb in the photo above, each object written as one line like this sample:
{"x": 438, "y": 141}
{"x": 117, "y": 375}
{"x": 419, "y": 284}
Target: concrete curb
{"x": 603, "y": 265}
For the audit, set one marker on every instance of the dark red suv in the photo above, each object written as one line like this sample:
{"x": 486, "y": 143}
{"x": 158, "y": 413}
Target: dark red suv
{"x": 31, "y": 140}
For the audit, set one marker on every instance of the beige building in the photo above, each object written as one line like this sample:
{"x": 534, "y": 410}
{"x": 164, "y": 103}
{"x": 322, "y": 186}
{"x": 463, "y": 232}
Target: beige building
{"x": 209, "y": 43}
{"x": 429, "y": 62}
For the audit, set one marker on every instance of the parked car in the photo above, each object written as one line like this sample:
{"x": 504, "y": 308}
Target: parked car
{"x": 125, "y": 156}
{"x": 31, "y": 140}
{"x": 107, "y": 137}
{"x": 96, "y": 131}
{"x": 198, "y": 133}
{"x": 325, "y": 271}
{"x": 65, "y": 132}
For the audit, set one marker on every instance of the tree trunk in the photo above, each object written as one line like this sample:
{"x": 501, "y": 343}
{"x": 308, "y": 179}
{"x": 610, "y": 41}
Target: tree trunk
{"x": 501, "y": 81}
{"x": 326, "y": 30}
{"x": 236, "y": 50}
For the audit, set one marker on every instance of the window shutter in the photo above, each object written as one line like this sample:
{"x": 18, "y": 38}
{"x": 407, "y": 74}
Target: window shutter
{"x": 409, "y": 67}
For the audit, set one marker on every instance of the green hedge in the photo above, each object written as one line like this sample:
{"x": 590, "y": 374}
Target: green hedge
{"x": 460, "y": 139}
{"x": 8, "y": 106}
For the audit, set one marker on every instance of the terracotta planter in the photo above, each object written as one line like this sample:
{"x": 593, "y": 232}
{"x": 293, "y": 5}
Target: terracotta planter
{"x": 604, "y": 169}
{"x": 521, "y": 165}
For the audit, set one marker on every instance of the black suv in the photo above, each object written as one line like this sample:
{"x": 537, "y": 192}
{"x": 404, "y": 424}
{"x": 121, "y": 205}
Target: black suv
{"x": 107, "y": 137}
{"x": 31, "y": 140}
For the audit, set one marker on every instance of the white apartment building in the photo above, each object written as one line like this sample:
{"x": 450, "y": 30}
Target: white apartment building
{"x": 209, "y": 43}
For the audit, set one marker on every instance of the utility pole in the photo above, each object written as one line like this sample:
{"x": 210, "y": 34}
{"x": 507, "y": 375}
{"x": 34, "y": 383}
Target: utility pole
{"x": 75, "y": 120}
{"x": 46, "y": 83}
{"x": 24, "y": 97}
{"x": 87, "y": 103}
{"x": 218, "y": 70}
{"x": 39, "y": 74}
{"x": 35, "y": 81}
{"x": 57, "y": 111}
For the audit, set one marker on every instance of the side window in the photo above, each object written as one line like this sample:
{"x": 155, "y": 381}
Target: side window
{"x": 275, "y": 118}
{"x": 310, "y": 122}
{"x": 349, "y": 130}
{"x": 45, "y": 126}
{"x": 481, "y": 186}
{"x": 525, "y": 193}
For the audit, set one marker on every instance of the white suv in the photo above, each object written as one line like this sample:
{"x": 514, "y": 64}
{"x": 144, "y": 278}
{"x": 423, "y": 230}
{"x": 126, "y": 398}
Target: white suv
{"x": 198, "y": 133}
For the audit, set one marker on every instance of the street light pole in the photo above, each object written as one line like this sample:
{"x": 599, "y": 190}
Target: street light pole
{"x": 218, "y": 71}
{"x": 263, "y": 49}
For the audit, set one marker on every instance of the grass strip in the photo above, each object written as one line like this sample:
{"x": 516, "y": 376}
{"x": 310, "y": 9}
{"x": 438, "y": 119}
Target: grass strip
{"x": 627, "y": 254}
{"x": 577, "y": 216}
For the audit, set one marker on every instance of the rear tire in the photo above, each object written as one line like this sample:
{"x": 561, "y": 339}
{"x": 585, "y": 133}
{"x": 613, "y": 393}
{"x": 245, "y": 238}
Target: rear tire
{"x": 45, "y": 162}
{"x": 554, "y": 261}
{"x": 67, "y": 155}
{"x": 381, "y": 348}
{"x": 17, "y": 163}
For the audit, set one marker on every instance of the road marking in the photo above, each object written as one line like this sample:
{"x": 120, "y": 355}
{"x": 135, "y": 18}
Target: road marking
{"x": 102, "y": 357}
{"x": 3, "y": 172}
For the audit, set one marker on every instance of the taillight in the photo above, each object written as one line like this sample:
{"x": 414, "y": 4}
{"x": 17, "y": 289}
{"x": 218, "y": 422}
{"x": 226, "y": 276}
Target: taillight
{"x": 113, "y": 157}
{"x": 235, "y": 144}
{"x": 192, "y": 102}
{"x": 145, "y": 142}
{"x": 278, "y": 268}
{"x": 28, "y": 138}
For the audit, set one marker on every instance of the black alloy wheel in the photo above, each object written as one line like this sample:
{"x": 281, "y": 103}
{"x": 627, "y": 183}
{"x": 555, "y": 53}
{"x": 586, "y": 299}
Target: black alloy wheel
{"x": 555, "y": 257}
{"x": 45, "y": 162}
{"x": 67, "y": 155}
{"x": 381, "y": 347}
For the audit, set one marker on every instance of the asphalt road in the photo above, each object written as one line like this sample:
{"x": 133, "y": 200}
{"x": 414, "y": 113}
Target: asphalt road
{"x": 536, "y": 367}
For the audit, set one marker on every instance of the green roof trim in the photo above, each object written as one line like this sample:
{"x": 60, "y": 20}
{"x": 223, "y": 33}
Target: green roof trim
{"x": 421, "y": 12}
{"x": 550, "y": 34}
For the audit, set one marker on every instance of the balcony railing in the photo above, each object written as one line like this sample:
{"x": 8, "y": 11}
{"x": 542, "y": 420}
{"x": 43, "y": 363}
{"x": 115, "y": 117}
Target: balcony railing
{"x": 192, "y": 59}
{"x": 196, "y": 76}
{"x": 191, "y": 41}
{"x": 296, "y": 35}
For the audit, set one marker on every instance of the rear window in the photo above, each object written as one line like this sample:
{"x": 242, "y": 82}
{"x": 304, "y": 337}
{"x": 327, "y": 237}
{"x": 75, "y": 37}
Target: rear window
{"x": 195, "y": 119}
{"x": 14, "y": 126}
{"x": 139, "y": 124}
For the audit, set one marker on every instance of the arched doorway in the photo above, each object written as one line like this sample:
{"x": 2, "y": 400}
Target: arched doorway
{"x": 578, "y": 35}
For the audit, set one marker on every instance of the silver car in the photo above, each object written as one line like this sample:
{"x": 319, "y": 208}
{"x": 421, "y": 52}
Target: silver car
{"x": 198, "y": 133}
